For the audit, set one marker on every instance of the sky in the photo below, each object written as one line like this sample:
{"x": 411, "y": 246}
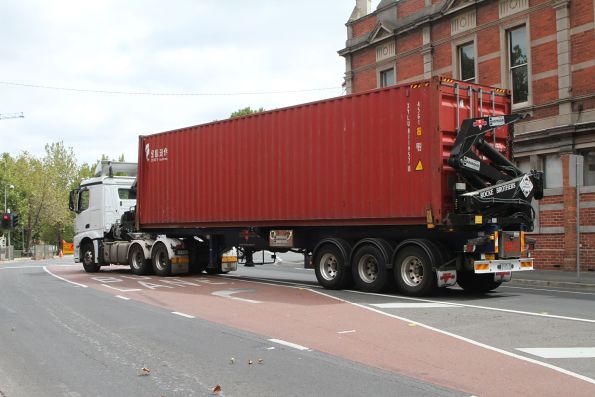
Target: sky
{"x": 281, "y": 52}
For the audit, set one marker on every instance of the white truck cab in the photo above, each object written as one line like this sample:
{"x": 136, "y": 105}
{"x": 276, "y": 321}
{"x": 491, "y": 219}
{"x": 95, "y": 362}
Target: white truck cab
{"x": 99, "y": 202}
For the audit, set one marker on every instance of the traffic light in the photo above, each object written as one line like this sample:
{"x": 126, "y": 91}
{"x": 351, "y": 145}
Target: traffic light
{"x": 15, "y": 220}
{"x": 6, "y": 221}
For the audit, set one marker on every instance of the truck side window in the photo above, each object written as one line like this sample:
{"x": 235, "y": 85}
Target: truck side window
{"x": 83, "y": 200}
{"x": 126, "y": 194}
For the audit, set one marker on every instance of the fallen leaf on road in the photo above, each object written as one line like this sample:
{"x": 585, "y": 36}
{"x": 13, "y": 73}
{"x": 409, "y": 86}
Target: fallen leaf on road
{"x": 144, "y": 371}
{"x": 217, "y": 389}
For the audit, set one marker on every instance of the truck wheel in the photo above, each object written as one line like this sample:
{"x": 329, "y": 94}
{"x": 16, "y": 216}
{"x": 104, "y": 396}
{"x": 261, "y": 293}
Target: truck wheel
{"x": 160, "y": 260}
{"x": 369, "y": 270}
{"x": 88, "y": 256}
{"x": 413, "y": 272}
{"x": 477, "y": 283}
{"x": 137, "y": 261}
{"x": 329, "y": 266}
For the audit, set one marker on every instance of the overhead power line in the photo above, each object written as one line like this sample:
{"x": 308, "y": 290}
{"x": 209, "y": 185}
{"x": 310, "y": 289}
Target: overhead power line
{"x": 153, "y": 93}
{"x": 18, "y": 115}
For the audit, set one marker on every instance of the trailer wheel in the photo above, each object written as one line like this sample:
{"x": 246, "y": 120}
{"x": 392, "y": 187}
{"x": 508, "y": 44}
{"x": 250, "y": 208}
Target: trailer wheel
{"x": 413, "y": 271}
{"x": 137, "y": 261}
{"x": 88, "y": 258}
{"x": 477, "y": 283}
{"x": 329, "y": 266}
{"x": 160, "y": 260}
{"x": 369, "y": 270}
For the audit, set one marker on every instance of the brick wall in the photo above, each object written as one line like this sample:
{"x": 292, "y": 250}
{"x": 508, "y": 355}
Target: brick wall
{"x": 556, "y": 241}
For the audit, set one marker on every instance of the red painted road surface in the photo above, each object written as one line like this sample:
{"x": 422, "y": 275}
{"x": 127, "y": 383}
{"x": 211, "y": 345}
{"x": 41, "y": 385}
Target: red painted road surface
{"x": 312, "y": 319}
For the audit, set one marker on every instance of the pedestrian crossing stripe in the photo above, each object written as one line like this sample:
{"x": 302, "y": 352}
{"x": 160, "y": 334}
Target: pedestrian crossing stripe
{"x": 419, "y": 166}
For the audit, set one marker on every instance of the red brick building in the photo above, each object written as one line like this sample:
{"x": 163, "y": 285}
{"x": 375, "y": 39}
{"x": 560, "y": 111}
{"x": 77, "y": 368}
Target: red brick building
{"x": 543, "y": 51}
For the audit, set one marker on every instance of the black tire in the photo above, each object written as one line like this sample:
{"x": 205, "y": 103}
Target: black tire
{"x": 330, "y": 267}
{"x": 369, "y": 270}
{"x": 88, "y": 258}
{"x": 215, "y": 271}
{"x": 137, "y": 261}
{"x": 477, "y": 283}
{"x": 413, "y": 272}
{"x": 160, "y": 260}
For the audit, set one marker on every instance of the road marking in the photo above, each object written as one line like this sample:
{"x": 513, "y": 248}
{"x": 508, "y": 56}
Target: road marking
{"x": 464, "y": 339}
{"x": 346, "y": 332}
{"x": 315, "y": 287}
{"x": 183, "y": 314}
{"x": 228, "y": 294}
{"x": 122, "y": 297}
{"x": 421, "y": 305}
{"x": 63, "y": 279}
{"x": 496, "y": 309}
{"x": 289, "y": 344}
{"x": 122, "y": 289}
{"x": 560, "y": 352}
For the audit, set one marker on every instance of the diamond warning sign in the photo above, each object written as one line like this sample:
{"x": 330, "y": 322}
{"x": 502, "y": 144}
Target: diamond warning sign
{"x": 419, "y": 166}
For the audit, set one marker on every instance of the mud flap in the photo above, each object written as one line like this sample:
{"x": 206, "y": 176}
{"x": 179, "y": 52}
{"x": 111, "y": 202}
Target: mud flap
{"x": 502, "y": 276}
{"x": 446, "y": 278}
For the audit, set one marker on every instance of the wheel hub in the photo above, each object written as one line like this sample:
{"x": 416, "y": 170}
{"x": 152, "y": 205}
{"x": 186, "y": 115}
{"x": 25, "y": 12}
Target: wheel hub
{"x": 367, "y": 268}
{"x": 412, "y": 271}
{"x": 328, "y": 267}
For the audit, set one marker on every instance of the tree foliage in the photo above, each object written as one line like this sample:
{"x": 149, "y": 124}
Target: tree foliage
{"x": 245, "y": 112}
{"x": 40, "y": 193}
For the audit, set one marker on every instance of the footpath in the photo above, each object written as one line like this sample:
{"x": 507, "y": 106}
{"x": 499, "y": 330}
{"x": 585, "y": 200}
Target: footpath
{"x": 585, "y": 281}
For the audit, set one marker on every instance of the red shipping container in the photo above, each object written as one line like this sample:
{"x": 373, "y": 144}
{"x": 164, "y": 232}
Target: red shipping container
{"x": 373, "y": 158}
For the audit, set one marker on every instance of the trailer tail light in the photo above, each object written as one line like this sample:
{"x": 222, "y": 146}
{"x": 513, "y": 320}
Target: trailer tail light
{"x": 527, "y": 265}
{"x": 482, "y": 267}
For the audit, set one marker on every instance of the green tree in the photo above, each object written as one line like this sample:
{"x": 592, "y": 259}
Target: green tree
{"x": 245, "y": 112}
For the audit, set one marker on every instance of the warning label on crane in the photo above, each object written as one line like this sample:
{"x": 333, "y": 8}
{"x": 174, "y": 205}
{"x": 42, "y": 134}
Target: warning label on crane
{"x": 419, "y": 166}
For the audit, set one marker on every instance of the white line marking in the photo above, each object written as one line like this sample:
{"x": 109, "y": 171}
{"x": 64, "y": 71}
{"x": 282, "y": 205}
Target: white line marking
{"x": 550, "y": 290}
{"x": 122, "y": 297}
{"x": 560, "y": 352}
{"x": 122, "y": 289}
{"x": 395, "y": 305}
{"x": 289, "y": 344}
{"x": 464, "y": 339}
{"x": 346, "y": 332}
{"x": 584, "y": 320}
{"x": 314, "y": 288}
{"x": 63, "y": 279}
{"x": 183, "y": 314}
{"x": 230, "y": 292}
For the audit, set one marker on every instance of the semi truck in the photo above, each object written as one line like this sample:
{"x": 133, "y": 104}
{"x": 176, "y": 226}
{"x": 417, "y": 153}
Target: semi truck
{"x": 410, "y": 186}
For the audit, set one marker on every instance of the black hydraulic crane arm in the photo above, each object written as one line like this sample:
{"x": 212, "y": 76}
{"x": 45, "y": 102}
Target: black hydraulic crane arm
{"x": 463, "y": 158}
{"x": 498, "y": 187}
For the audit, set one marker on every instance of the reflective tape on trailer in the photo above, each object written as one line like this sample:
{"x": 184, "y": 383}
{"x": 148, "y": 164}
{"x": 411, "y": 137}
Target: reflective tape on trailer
{"x": 503, "y": 265}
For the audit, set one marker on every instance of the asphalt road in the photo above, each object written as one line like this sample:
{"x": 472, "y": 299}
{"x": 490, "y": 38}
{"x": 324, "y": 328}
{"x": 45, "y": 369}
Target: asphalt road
{"x": 65, "y": 332}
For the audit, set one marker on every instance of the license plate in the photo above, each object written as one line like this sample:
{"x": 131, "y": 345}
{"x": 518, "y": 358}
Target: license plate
{"x": 505, "y": 266}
